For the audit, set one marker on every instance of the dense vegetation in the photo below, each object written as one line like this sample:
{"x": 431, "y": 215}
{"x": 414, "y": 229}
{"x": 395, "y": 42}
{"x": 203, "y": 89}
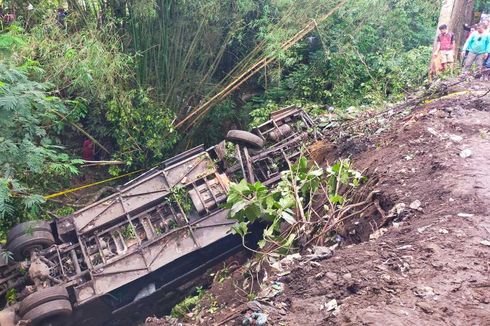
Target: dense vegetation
{"x": 123, "y": 72}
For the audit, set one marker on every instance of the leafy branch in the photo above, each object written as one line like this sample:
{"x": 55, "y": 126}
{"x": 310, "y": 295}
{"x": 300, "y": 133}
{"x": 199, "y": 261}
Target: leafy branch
{"x": 306, "y": 204}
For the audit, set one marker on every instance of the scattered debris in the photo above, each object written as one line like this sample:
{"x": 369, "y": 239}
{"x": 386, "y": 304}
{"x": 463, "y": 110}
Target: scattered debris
{"x": 254, "y": 306}
{"x": 443, "y": 231}
{"x": 289, "y": 260}
{"x": 397, "y": 209}
{"x": 320, "y": 253}
{"x": 271, "y": 291}
{"x": 255, "y": 318}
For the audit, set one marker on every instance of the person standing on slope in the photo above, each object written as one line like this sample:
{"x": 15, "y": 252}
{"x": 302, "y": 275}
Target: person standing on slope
{"x": 478, "y": 47}
{"x": 446, "y": 45}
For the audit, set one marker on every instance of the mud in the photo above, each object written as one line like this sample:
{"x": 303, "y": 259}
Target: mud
{"x": 432, "y": 266}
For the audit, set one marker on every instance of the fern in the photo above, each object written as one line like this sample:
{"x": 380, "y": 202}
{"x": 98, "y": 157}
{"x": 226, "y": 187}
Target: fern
{"x": 31, "y": 159}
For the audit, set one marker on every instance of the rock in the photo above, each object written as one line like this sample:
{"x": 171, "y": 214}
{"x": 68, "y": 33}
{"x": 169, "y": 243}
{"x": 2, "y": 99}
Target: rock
{"x": 443, "y": 231}
{"x": 386, "y": 277}
{"x": 485, "y": 243}
{"x": 465, "y": 215}
{"x": 347, "y": 276}
{"x": 331, "y": 305}
{"x": 405, "y": 247}
{"x": 425, "y": 307}
{"x": 254, "y": 306}
{"x": 416, "y": 204}
{"x": 331, "y": 276}
{"x": 465, "y": 153}
{"x": 423, "y": 228}
{"x": 433, "y": 132}
{"x": 455, "y": 138}
{"x": 424, "y": 292}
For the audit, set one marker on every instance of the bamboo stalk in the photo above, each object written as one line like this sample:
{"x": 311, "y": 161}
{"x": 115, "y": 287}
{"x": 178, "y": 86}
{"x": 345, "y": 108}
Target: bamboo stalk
{"x": 259, "y": 65}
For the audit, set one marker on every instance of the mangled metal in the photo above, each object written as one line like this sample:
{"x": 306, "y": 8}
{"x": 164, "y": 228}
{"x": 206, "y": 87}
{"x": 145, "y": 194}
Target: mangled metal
{"x": 154, "y": 232}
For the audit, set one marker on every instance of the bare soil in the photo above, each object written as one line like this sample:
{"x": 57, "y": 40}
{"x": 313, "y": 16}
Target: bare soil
{"x": 431, "y": 266}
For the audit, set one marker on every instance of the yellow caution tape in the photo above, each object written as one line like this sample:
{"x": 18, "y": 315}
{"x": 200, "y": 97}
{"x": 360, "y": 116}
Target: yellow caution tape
{"x": 454, "y": 94}
{"x": 64, "y": 192}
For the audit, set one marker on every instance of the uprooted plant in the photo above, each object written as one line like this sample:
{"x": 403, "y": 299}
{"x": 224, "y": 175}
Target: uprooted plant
{"x": 303, "y": 208}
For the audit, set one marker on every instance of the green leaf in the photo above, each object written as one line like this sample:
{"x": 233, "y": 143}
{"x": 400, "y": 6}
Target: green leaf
{"x": 240, "y": 228}
{"x": 288, "y": 218}
{"x": 238, "y": 207}
{"x": 241, "y": 187}
{"x": 336, "y": 199}
{"x": 261, "y": 244}
{"x": 290, "y": 240}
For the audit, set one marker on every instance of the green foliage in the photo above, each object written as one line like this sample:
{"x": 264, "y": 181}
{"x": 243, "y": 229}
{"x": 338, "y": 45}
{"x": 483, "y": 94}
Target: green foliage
{"x": 369, "y": 52}
{"x": 11, "y": 296}
{"x": 290, "y": 201}
{"x": 64, "y": 211}
{"x": 181, "y": 309}
{"x": 95, "y": 76}
{"x": 31, "y": 159}
{"x": 128, "y": 232}
{"x": 181, "y": 196}
{"x": 144, "y": 131}
{"x": 11, "y": 38}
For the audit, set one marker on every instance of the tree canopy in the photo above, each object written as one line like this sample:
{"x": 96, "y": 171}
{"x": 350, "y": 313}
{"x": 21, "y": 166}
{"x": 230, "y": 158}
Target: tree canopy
{"x": 123, "y": 72}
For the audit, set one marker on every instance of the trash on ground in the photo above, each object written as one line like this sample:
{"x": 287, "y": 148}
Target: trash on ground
{"x": 320, "y": 253}
{"x": 256, "y": 318}
{"x": 271, "y": 291}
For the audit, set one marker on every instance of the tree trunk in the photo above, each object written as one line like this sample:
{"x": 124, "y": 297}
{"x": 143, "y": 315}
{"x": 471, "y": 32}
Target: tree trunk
{"x": 456, "y": 13}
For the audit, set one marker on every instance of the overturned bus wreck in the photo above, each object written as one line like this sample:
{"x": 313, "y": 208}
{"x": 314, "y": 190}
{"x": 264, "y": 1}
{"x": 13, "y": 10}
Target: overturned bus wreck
{"x": 158, "y": 231}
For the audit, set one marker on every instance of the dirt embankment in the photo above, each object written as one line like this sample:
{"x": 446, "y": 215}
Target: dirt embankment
{"x": 432, "y": 266}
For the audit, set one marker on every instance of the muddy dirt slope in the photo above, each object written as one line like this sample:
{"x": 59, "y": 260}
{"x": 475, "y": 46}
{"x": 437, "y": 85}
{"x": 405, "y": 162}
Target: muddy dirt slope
{"x": 431, "y": 266}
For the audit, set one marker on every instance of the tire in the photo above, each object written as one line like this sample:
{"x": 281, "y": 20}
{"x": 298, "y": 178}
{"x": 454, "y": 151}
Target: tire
{"x": 26, "y": 228}
{"x": 49, "y": 311}
{"x": 41, "y": 297}
{"x": 22, "y": 246}
{"x": 245, "y": 138}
